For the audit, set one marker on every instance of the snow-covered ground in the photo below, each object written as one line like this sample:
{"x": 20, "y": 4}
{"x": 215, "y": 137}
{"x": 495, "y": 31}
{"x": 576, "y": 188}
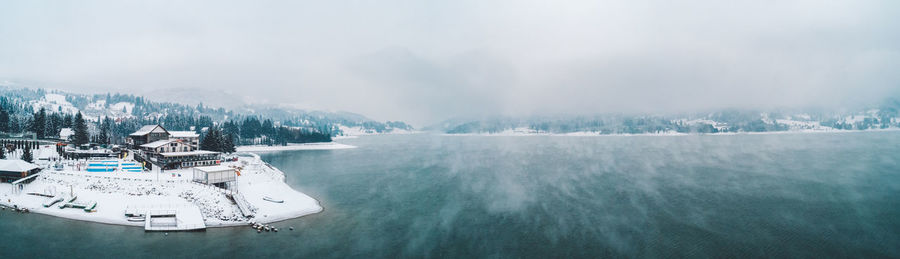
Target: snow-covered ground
{"x": 124, "y": 107}
{"x": 93, "y": 111}
{"x": 304, "y": 146}
{"x": 115, "y": 192}
{"x": 54, "y": 103}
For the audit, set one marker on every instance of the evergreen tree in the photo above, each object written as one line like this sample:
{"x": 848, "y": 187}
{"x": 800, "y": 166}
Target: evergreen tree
{"x": 228, "y": 144}
{"x": 14, "y": 125}
{"x": 104, "y": 131}
{"x": 4, "y": 121}
{"x": 211, "y": 141}
{"x": 26, "y": 154}
{"x": 67, "y": 121}
{"x": 39, "y": 123}
{"x": 81, "y": 134}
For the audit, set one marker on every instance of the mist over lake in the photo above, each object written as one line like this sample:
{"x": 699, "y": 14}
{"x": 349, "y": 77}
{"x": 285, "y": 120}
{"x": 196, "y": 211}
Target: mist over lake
{"x": 768, "y": 195}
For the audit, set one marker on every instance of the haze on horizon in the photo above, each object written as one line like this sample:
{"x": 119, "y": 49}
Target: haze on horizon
{"x": 426, "y": 61}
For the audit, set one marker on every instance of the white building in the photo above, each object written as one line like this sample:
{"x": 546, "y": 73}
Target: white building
{"x": 187, "y": 137}
{"x": 214, "y": 175}
{"x": 166, "y": 145}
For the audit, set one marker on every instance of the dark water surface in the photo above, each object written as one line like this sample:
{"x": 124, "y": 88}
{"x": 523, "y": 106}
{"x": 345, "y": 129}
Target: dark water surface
{"x": 781, "y": 195}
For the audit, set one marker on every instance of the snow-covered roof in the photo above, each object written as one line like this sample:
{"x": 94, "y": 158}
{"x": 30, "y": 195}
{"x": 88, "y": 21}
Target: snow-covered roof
{"x": 46, "y": 153}
{"x": 189, "y": 153}
{"x": 16, "y": 165}
{"x": 158, "y": 143}
{"x": 214, "y": 168}
{"x": 146, "y": 129}
{"x": 183, "y": 134}
{"x": 65, "y": 133}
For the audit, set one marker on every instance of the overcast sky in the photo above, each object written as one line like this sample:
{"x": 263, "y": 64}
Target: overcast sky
{"x": 425, "y": 61}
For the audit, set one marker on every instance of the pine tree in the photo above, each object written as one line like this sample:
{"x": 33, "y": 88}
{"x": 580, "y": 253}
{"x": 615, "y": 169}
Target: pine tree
{"x": 39, "y": 123}
{"x": 228, "y": 144}
{"x": 14, "y": 125}
{"x": 81, "y": 134}
{"x": 26, "y": 154}
{"x": 104, "y": 131}
{"x": 210, "y": 141}
{"x": 4, "y": 121}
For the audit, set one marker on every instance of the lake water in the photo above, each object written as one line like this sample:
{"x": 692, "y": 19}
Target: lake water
{"x": 778, "y": 195}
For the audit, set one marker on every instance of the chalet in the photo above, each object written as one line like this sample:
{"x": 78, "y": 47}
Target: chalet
{"x": 170, "y": 149}
{"x": 15, "y": 169}
{"x": 153, "y": 133}
{"x": 147, "y": 134}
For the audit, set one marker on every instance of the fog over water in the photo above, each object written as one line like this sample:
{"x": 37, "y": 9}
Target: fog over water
{"x": 424, "y": 62}
{"x": 731, "y": 195}
{"x": 772, "y": 195}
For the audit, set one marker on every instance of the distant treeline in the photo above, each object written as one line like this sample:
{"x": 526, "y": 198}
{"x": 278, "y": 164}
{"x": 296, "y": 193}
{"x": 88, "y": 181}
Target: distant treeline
{"x": 16, "y": 118}
{"x": 303, "y": 126}
{"x": 718, "y": 122}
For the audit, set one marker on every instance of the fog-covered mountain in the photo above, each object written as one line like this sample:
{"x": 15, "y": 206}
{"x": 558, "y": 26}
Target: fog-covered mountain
{"x": 21, "y": 102}
{"x": 882, "y": 116}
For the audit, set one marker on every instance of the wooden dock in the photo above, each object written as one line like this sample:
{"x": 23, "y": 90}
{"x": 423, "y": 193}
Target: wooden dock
{"x": 174, "y": 219}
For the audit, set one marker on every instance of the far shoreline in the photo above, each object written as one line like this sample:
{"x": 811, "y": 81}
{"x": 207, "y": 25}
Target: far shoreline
{"x": 668, "y": 134}
{"x": 288, "y": 147}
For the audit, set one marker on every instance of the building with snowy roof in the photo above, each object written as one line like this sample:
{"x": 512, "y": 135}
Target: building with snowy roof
{"x": 170, "y": 149}
{"x": 147, "y": 134}
{"x": 15, "y": 169}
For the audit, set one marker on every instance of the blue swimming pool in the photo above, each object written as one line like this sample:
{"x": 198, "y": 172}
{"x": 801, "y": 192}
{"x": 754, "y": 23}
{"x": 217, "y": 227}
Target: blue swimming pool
{"x": 114, "y": 165}
{"x": 101, "y": 169}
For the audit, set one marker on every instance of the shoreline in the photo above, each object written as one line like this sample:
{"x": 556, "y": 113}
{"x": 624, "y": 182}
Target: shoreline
{"x": 289, "y": 147}
{"x": 255, "y": 183}
{"x": 671, "y": 134}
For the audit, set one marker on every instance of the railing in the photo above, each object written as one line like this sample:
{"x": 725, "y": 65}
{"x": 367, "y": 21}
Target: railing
{"x": 243, "y": 205}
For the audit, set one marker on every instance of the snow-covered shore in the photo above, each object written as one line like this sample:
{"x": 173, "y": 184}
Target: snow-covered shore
{"x": 116, "y": 192}
{"x": 305, "y": 146}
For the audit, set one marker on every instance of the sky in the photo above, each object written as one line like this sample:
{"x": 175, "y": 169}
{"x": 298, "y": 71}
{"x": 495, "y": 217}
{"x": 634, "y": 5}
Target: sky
{"x": 426, "y": 61}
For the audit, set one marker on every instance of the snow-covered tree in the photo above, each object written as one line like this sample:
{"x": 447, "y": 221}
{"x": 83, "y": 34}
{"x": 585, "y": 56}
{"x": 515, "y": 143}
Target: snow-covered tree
{"x": 81, "y": 130}
{"x": 26, "y": 154}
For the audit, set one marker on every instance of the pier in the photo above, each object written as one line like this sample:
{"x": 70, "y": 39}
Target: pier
{"x": 187, "y": 218}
